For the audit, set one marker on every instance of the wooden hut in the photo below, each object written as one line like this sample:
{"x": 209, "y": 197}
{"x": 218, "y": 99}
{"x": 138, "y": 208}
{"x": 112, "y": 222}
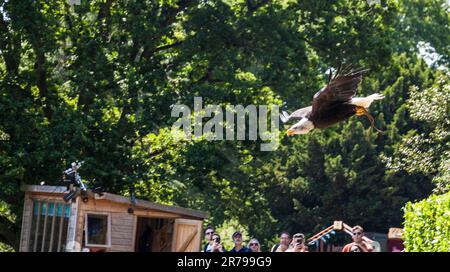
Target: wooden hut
{"x": 105, "y": 223}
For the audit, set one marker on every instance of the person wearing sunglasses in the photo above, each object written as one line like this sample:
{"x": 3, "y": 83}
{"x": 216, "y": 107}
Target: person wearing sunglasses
{"x": 285, "y": 241}
{"x": 209, "y": 231}
{"x": 357, "y": 236}
{"x": 254, "y": 245}
{"x": 217, "y": 245}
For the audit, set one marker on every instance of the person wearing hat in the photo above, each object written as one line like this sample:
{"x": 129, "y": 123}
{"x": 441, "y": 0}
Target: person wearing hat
{"x": 238, "y": 246}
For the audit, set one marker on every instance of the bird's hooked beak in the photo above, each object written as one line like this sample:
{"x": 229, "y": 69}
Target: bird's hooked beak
{"x": 290, "y": 132}
{"x": 304, "y": 126}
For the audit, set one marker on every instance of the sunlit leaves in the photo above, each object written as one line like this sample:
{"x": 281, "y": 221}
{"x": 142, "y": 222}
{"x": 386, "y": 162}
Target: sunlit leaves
{"x": 427, "y": 150}
{"x": 427, "y": 225}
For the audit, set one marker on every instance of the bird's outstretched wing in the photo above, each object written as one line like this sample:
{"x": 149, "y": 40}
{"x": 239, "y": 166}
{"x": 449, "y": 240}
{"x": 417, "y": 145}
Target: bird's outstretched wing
{"x": 341, "y": 88}
{"x": 300, "y": 113}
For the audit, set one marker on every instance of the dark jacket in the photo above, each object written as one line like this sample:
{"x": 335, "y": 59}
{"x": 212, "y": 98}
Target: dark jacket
{"x": 243, "y": 249}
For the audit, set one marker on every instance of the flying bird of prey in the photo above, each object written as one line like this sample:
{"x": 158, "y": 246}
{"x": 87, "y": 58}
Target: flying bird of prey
{"x": 333, "y": 103}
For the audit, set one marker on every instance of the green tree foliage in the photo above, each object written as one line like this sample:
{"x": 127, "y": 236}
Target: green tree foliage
{"x": 427, "y": 225}
{"x": 96, "y": 82}
{"x": 428, "y": 23}
{"x": 427, "y": 150}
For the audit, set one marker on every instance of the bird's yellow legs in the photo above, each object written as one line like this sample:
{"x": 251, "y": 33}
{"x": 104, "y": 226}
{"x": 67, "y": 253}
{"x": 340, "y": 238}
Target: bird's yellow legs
{"x": 359, "y": 111}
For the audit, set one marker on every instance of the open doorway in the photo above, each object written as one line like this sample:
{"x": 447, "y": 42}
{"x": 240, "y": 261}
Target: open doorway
{"x": 154, "y": 234}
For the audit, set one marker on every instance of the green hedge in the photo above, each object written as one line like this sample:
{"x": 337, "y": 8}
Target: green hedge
{"x": 427, "y": 224}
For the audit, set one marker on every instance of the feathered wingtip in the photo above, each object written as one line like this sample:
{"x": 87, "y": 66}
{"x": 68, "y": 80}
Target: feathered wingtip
{"x": 344, "y": 70}
{"x": 284, "y": 116}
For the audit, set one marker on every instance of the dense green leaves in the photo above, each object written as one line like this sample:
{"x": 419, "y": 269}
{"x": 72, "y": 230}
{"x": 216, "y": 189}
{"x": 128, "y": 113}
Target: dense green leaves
{"x": 97, "y": 82}
{"x": 427, "y": 149}
{"x": 427, "y": 225}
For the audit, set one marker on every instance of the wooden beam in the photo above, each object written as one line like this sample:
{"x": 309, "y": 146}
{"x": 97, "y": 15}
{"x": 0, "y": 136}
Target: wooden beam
{"x": 321, "y": 233}
{"x": 72, "y": 227}
{"x": 43, "y": 188}
{"x": 61, "y": 224}
{"x": 155, "y": 206}
{"x": 53, "y": 228}
{"x": 44, "y": 231}
{"x": 37, "y": 226}
{"x": 153, "y": 214}
{"x": 27, "y": 218}
{"x": 134, "y": 231}
{"x": 188, "y": 241}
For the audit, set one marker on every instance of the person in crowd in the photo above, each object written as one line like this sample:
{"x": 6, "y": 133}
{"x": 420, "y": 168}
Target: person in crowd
{"x": 209, "y": 231}
{"x": 254, "y": 245}
{"x": 238, "y": 245}
{"x": 217, "y": 245}
{"x": 298, "y": 243}
{"x": 357, "y": 236}
{"x": 285, "y": 240}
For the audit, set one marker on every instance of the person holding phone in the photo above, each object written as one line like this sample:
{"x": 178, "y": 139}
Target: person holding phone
{"x": 298, "y": 243}
{"x": 217, "y": 245}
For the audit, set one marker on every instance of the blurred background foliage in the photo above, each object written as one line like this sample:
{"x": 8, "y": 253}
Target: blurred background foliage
{"x": 96, "y": 82}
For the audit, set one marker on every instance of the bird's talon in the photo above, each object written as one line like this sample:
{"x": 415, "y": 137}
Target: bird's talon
{"x": 360, "y": 111}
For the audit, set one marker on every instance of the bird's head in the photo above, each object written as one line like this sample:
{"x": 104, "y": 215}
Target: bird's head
{"x": 302, "y": 127}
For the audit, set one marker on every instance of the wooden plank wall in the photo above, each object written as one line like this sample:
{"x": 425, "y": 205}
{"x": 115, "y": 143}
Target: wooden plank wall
{"x": 28, "y": 215}
{"x": 26, "y": 224}
{"x": 123, "y": 224}
{"x": 72, "y": 244}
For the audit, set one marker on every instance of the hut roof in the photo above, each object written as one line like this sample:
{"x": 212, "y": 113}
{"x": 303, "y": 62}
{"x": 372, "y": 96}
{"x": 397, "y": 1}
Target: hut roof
{"x": 61, "y": 190}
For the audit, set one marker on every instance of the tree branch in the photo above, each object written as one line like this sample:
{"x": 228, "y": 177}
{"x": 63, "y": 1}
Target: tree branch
{"x": 105, "y": 14}
{"x": 10, "y": 53}
{"x": 150, "y": 52}
{"x": 42, "y": 80}
{"x": 168, "y": 16}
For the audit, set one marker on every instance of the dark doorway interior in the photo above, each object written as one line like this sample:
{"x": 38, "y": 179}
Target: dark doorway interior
{"x": 154, "y": 234}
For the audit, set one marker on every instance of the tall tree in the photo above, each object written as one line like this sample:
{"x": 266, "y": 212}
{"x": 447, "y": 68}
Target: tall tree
{"x": 96, "y": 82}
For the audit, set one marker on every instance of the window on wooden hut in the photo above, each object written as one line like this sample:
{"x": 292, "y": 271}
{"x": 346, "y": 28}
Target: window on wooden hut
{"x": 49, "y": 226}
{"x": 97, "y": 230}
